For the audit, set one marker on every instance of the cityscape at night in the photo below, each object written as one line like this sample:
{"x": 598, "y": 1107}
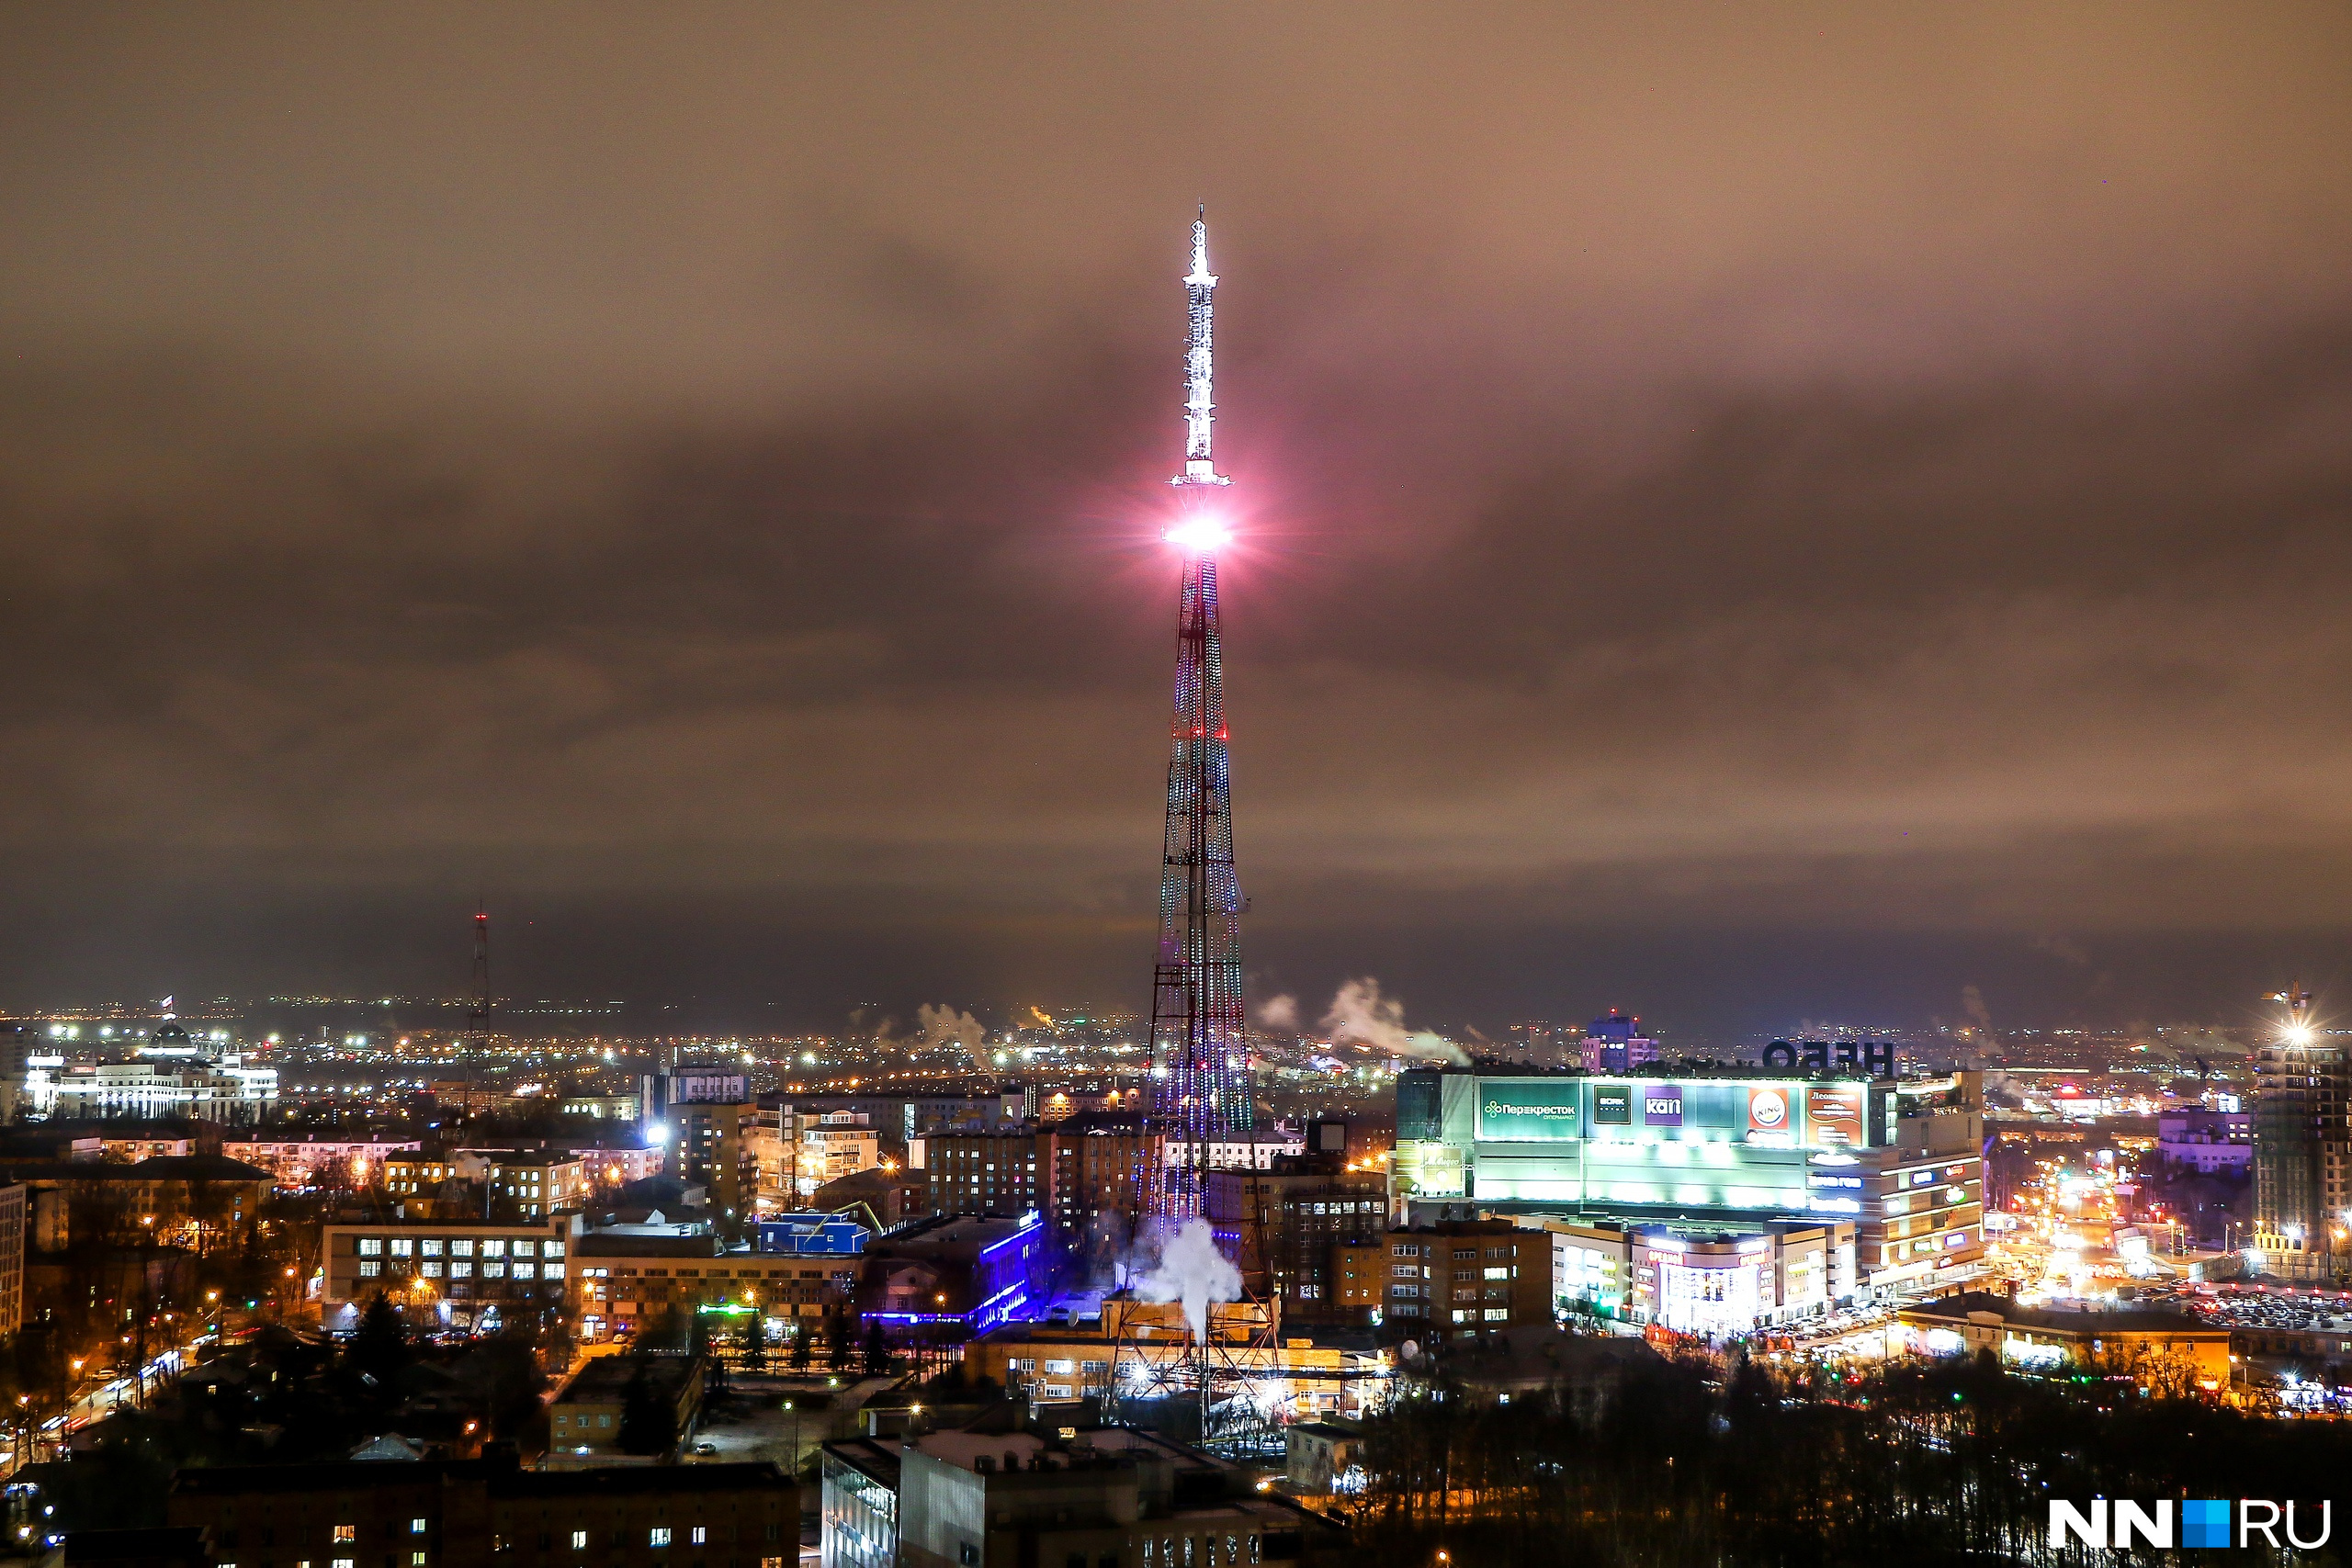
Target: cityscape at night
{"x": 1750, "y": 961}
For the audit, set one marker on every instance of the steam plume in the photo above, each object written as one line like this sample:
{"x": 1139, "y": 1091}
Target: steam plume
{"x": 1191, "y": 1270}
{"x": 1279, "y": 1012}
{"x": 942, "y": 1025}
{"x": 1361, "y": 1013}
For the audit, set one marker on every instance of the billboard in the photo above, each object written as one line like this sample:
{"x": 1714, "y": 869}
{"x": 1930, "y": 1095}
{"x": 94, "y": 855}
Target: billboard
{"x": 1530, "y": 1110}
{"x": 1662, "y": 1105}
{"x": 1835, "y": 1113}
{"x": 1612, "y": 1105}
{"x": 1771, "y": 1119}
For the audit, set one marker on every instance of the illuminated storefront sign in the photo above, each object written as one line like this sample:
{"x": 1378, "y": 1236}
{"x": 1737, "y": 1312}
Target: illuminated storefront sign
{"x": 1612, "y": 1105}
{"x": 1530, "y": 1111}
{"x": 1834, "y": 1112}
{"x": 1769, "y": 1119}
{"x": 1662, "y": 1105}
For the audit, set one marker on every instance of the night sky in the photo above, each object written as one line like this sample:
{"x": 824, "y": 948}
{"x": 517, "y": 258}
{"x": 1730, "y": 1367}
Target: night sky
{"x": 1748, "y": 514}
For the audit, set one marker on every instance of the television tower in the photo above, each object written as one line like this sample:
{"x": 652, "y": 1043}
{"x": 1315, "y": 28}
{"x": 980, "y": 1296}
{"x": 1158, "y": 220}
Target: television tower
{"x": 477, "y": 990}
{"x": 1199, "y": 1053}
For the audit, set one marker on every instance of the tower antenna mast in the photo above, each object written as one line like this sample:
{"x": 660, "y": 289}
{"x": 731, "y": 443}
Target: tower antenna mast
{"x": 478, "y": 989}
{"x": 1199, "y": 1052}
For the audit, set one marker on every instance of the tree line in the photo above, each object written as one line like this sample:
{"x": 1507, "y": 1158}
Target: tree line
{"x": 1920, "y": 1465}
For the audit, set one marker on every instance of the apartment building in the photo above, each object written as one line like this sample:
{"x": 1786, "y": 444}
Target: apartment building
{"x": 481, "y": 1512}
{"x": 1461, "y": 1277}
{"x": 452, "y": 1272}
{"x": 1290, "y": 1222}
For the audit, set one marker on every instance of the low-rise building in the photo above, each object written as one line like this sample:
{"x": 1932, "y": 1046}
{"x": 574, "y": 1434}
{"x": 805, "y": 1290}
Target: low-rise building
{"x": 2153, "y": 1344}
{"x": 534, "y": 1183}
{"x": 1323, "y": 1457}
{"x": 461, "y": 1272}
{"x": 602, "y": 1107}
{"x": 418, "y": 1174}
{"x": 1110, "y": 1498}
{"x": 624, "y": 1281}
{"x": 311, "y": 1161}
{"x": 1700, "y": 1279}
{"x": 588, "y": 1416}
{"x": 2207, "y": 1141}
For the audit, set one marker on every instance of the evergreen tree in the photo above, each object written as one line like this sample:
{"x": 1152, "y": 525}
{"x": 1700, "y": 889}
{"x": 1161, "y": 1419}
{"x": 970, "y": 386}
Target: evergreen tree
{"x": 803, "y": 1347}
{"x": 755, "y": 1341}
{"x": 649, "y": 1422}
{"x": 379, "y": 1345}
{"x": 877, "y": 1349}
{"x": 839, "y": 1344}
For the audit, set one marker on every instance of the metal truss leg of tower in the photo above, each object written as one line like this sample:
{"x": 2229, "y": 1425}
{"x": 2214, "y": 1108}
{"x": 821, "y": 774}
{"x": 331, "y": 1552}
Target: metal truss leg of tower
{"x": 1197, "y": 1039}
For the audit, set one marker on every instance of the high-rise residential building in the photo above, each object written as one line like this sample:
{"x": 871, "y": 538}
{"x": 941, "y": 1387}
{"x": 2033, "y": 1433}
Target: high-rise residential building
{"x": 714, "y": 1140}
{"x": 12, "y": 1259}
{"x": 1465, "y": 1277}
{"x": 1290, "y": 1225}
{"x": 1073, "y": 1173}
{"x": 2302, "y": 1155}
{"x": 980, "y": 1170}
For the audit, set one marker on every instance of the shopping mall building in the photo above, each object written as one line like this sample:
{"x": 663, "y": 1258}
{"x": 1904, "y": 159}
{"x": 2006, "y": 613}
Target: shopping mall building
{"x": 1703, "y": 1168}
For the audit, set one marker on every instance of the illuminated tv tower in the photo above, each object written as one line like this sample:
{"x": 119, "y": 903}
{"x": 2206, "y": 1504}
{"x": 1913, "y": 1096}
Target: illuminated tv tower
{"x": 1200, "y": 1057}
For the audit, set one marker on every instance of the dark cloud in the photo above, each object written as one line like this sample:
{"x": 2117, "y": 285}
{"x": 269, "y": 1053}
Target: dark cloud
{"x": 1823, "y": 479}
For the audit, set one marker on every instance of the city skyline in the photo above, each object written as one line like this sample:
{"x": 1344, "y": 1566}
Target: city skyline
{"x": 1849, "y": 544}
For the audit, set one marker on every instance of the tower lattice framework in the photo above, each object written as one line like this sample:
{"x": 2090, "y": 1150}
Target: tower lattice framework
{"x": 1199, "y": 1049}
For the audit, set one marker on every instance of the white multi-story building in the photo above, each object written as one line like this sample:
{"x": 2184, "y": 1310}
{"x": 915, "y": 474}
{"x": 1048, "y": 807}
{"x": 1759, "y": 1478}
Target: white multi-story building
{"x": 829, "y": 1146}
{"x": 1253, "y": 1150}
{"x": 303, "y": 1162}
{"x": 221, "y": 1090}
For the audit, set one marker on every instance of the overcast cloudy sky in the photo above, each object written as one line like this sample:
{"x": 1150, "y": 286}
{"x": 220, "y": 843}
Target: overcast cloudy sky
{"x": 1749, "y": 513}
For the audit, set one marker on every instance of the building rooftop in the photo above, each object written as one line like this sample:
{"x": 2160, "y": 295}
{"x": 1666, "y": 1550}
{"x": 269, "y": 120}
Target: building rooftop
{"x": 607, "y": 1378}
{"x": 606, "y": 1244}
{"x": 636, "y": 1479}
{"x": 2061, "y": 1320}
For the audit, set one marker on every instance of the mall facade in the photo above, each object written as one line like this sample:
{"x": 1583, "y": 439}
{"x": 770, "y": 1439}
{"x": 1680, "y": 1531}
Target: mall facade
{"x": 1709, "y": 1161}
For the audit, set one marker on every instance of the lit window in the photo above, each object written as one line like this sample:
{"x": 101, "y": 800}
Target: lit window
{"x": 416, "y": 1560}
{"x": 370, "y": 1269}
{"x": 578, "y": 1541}
{"x": 371, "y": 1246}
{"x": 345, "y": 1533}
{"x": 416, "y": 1527}
{"x": 658, "y": 1536}
{"x": 404, "y": 1247}
{"x": 700, "y": 1535}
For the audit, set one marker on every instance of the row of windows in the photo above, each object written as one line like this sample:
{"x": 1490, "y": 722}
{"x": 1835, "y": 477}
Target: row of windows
{"x": 459, "y": 1269}
{"x": 459, "y": 1246}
